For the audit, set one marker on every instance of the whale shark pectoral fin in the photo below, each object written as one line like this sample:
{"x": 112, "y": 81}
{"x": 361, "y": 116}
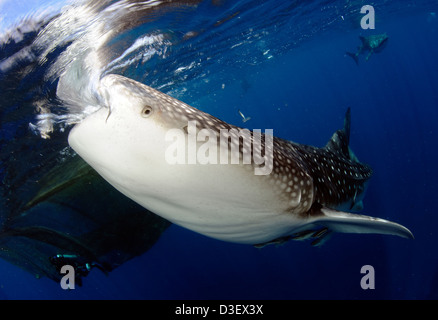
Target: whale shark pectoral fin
{"x": 324, "y": 222}
{"x": 345, "y": 222}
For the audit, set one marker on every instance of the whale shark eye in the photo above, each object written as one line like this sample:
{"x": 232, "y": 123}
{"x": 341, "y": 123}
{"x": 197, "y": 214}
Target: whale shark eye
{"x": 146, "y": 112}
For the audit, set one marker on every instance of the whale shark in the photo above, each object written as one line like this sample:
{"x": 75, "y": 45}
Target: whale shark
{"x": 371, "y": 44}
{"x": 307, "y": 193}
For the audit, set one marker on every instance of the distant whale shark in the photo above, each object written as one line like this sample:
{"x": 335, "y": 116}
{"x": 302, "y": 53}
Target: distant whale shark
{"x": 370, "y": 44}
{"x": 300, "y": 197}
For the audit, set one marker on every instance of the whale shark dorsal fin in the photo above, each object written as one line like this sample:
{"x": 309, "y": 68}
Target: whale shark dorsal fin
{"x": 341, "y": 139}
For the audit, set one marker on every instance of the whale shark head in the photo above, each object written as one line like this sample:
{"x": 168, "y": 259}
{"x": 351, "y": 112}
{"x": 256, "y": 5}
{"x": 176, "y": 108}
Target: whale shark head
{"x": 169, "y": 158}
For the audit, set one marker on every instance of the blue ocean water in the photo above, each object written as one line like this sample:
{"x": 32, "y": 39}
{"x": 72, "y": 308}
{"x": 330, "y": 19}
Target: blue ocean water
{"x": 283, "y": 64}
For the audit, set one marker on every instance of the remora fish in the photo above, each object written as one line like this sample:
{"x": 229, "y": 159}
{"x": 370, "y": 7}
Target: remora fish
{"x": 370, "y": 44}
{"x": 299, "y": 199}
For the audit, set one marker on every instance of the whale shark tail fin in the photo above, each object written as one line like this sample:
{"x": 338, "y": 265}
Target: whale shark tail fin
{"x": 355, "y": 57}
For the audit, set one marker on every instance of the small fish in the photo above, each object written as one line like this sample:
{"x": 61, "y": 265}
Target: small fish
{"x": 244, "y": 119}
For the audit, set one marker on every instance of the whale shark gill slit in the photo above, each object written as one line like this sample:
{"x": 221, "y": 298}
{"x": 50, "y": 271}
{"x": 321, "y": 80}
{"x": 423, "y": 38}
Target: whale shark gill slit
{"x": 304, "y": 196}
